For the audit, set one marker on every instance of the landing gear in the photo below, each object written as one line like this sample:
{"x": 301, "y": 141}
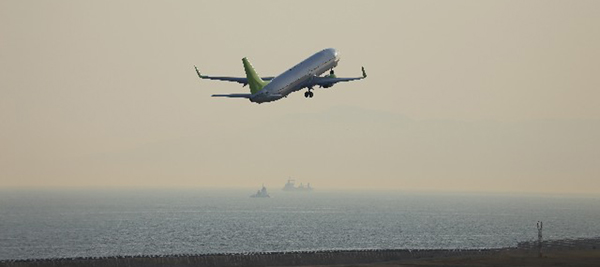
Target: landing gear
{"x": 308, "y": 94}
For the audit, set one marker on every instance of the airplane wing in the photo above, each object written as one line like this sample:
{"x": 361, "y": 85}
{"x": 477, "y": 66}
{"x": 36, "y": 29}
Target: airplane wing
{"x": 234, "y": 95}
{"x": 243, "y": 81}
{"x": 329, "y": 81}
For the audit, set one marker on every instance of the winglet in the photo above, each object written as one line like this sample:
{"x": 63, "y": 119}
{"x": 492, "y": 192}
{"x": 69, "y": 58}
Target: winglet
{"x": 364, "y": 73}
{"x": 197, "y": 71}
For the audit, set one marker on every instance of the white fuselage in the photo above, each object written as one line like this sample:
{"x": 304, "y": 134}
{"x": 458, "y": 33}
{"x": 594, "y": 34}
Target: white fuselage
{"x": 295, "y": 78}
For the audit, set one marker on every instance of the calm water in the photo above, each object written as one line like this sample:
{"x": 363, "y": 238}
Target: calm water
{"x": 41, "y": 224}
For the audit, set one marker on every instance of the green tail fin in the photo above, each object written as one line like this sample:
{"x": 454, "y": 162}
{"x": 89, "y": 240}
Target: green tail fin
{"x": 255, "y": 82}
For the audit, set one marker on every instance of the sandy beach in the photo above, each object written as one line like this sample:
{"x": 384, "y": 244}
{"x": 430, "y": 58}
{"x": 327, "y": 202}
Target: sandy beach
{"x": 573, "y": 257}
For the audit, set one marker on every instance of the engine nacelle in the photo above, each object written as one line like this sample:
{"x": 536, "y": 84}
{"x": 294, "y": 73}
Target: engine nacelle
{"x": 331, "y": 75}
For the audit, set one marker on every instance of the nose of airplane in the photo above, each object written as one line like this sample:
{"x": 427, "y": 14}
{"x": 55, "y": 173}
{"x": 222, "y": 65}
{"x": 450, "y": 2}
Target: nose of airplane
{"x": 335, "y": 53}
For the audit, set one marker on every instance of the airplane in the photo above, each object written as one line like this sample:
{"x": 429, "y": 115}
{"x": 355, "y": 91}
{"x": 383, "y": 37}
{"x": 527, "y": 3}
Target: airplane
{"x": 305, "y": 74}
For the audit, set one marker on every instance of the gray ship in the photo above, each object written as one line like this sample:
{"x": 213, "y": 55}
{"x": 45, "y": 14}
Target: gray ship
{"x": 262, "y": 193}
{"x": 290, "y": 186}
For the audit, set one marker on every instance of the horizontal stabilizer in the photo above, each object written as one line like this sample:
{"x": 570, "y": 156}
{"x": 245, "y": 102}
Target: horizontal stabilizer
{"x": 234, "y": 95}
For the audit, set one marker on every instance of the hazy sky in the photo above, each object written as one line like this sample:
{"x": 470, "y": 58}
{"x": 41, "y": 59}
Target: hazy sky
{"x": 461, "y": 95}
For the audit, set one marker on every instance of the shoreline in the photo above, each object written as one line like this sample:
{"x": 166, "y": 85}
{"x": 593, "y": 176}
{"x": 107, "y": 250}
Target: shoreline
{"x": 568, "y": 248}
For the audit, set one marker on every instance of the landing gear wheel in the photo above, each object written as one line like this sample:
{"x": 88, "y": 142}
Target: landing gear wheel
{"x": 310, "y": 94}
{"x": 306, "y": 94}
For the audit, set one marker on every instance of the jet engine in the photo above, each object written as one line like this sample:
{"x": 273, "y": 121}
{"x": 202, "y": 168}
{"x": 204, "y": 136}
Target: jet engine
{"x": 331, "y": 75}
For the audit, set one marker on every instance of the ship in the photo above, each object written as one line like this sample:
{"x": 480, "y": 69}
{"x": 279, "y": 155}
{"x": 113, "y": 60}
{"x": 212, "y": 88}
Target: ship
{"x": 290, "y": 186}
{"x": 262, "y": 193}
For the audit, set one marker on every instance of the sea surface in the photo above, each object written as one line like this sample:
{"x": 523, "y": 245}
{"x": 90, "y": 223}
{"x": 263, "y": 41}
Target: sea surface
{"x": 77, "y": 223}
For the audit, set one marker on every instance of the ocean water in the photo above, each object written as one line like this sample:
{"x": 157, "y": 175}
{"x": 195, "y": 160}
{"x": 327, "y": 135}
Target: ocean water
{"x": 72, "y": 223}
